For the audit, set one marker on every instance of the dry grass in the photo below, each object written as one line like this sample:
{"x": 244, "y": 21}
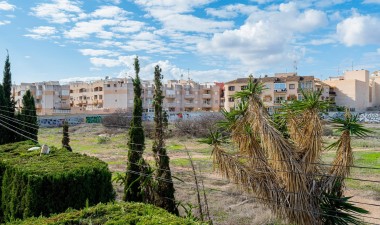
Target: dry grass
{"x": 225, "y": 207}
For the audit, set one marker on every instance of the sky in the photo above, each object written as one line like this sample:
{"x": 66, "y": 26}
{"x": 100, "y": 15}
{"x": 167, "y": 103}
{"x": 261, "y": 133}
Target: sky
{"x": 204, "y": 40}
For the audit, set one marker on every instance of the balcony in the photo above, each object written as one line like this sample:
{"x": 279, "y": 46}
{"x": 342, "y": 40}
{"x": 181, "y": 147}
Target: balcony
{"x": 206, "y": 105}
{"x": 206, "y": 96}
{"x": 207, "y": 87}
{"x": 38, "y": 106}
{"x": 170, "y": 105}
{"x": 64, "y": 97}
{"x": 189, "y": 104}
{"x": 189, "y": 96}
{"x": 332, "y": 93}
{"x": 169, "y": 96}
{"x": 284, "y": 90}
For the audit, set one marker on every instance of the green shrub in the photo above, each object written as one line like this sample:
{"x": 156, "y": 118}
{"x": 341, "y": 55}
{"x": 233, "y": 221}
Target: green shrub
{"x": 103, "y": 139}
{"x": 34, "y": 185}
{"x": 112, "y": 213}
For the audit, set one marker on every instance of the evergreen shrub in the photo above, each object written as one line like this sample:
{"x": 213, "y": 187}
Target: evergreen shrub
{"x": 34, "y": 185}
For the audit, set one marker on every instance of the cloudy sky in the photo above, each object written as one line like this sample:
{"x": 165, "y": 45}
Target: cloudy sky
{"x": 208, "y": 40}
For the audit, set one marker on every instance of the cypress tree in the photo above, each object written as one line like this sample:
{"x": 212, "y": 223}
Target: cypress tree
{"x": 66, "y": 138}
{"x": 165, "y": 188}
{"x": 29, "y": 116}
{"x": 2, "y": 102}
{"x": 8, "y": 108}
{"x": 136, "y": 145}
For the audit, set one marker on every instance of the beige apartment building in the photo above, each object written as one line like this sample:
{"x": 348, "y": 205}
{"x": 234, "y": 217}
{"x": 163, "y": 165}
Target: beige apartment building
{"x": 50, "y": 97}
{"x": 356, "y": 90}
{"x": 109, "y": 95}
{"x": 101, "y": 96}
{"x": 282, "y": 87}
{"x": 190, "y": 96}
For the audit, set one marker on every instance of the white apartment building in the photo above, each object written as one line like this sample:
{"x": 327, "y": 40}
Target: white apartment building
{"x": 50, "y": 97}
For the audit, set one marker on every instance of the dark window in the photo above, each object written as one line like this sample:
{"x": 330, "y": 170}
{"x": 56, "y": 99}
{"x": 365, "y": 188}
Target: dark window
{"x": 244, "y": 87}
{"x": 231, "y": 99}
{"x": 292, "y": 86}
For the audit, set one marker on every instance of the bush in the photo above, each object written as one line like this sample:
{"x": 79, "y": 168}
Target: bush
{"x": 103, "y": 139}
{"x": 121, "y": 118}
{"x": 117, "y": 214}
{"x": 34, "y": 185}
{"x": 199, "y": 127}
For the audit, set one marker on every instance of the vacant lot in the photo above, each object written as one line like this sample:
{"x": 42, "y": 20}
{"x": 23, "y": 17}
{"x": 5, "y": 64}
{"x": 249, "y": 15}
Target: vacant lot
{"x": 225, "y": 203}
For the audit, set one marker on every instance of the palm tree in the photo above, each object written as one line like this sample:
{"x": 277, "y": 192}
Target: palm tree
{"x": 280, "y": 170}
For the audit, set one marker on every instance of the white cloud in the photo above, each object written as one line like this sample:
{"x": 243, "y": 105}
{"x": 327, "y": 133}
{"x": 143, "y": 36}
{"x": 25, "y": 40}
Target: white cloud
{"x": 85, "y": 29}
{"x": 371, "y": 1}
{"x": 128, "y": 26}
{"x": 359, "y": 30}
{"x": 96, "y": 52}
{"x": 41, "y": 32}
{"x": 109, "y": 12}
{"x": 113, "y": 62}
{"x": 84, "y": 79}
{"x": 267, "y": 37}
{"x": 4, "y": 5}
{"x": 60, "y": 11}
{"x": 4, "y": 22}
{"x": 230, "y": 11}
{"x": 324, "y": 41}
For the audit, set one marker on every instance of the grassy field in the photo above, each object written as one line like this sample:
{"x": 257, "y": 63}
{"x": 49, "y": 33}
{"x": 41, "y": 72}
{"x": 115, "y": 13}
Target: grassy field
{"x": 226, "y": 205}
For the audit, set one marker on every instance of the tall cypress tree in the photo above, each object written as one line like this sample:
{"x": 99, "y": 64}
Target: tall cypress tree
{"x": 2, "y": 102}
{"x": 66, "y": 138}
{"x": 165, "y": 188}
{"x": 29, "y": 116}
{"x": 8, "y": 108}
{"x": 136, "y": 145}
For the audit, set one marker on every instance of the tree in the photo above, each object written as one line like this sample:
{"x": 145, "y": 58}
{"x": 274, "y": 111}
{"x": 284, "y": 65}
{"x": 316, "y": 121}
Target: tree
{"x": 165, "y": 188}
{"x": 283, "y": 171}
{"x": 136, "y": 145}
{"x": 8, "y": 106}
{"x": 2, "y": 102}
{"x": 66, "y": 138}
{"x": 29, "y": 116}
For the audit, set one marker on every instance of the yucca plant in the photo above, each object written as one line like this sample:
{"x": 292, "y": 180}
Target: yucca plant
{"x": 277, "y": 158}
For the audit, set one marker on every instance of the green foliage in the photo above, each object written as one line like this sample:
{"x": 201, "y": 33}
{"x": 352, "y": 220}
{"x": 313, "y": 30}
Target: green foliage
{"x": 165, "y": 187}
{"x": 113, "y": 213}
{"x": 29, "y": 117}
{"x": 65, "y": 137}
{"x": 336, "y": 208}
{"x": 136, "y": 143}
{"x": 215, "y": 139}
{"x": 8, "y": 106}
{"x": 103, "y": 139}
{"x": 34, "y": 185}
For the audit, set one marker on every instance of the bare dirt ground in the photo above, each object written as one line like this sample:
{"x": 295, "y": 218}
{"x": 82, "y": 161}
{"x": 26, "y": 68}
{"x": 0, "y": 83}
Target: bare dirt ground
{"x": 225, "y": 204}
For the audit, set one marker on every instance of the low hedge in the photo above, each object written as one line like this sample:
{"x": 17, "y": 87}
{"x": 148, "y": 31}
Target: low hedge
{"x": 34, "y": 185}
{"x": 112, "y": 213}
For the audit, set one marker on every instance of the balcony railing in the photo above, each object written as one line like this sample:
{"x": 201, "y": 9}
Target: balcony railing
{"x": 189, "y": 96}
{"x": 206, "y": 96}
{"x": 283, "y": 90}
{"x": 206, "y": 105}
{"x": 169, "y": 96}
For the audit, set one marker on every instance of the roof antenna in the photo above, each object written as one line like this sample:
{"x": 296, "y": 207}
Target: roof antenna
{"x": 295, "y": 66}
{"x": 352, "y": 65}
{"x": 188, "y": 74}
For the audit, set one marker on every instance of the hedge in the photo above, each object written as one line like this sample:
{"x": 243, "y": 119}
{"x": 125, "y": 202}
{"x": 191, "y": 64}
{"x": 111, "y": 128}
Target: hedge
{"x": 34, "y": 185}
{"x": 112, "y": 213}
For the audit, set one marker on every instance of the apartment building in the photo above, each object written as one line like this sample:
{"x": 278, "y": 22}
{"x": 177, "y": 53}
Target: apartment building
{"x": 356, "y": 90}
{"x": 190, "y": 96}
{"x": 50, "y": 97}
{"x": 282, "y": 87}
{"x": 101, "y": 96}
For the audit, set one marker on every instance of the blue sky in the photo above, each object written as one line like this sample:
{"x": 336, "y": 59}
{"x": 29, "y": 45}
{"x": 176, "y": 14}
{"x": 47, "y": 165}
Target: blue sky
{"x": 208, "y": 39}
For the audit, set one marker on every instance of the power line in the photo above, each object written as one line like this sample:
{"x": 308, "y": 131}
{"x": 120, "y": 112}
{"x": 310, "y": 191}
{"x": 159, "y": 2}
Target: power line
{"x": 34, "y": 126}
{"x": 18, "y": 133}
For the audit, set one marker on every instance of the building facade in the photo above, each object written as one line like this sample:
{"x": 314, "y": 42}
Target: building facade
{"x": 355, "y": 90}
{"x": 50, "y": 97}
{"x": 282, "y": 87}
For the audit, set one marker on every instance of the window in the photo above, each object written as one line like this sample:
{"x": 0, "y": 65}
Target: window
{"x": 231, "y": 88}
{"x": 231, "y": 99}
{"x": 279, "y": 87}
{"x": 114, "y": 85}
{"x": 100, "y": 96}
{"x": 244, "y": 87}
{"x": 115, "y": 90}
{"x": 292, "y": 86}
{"x": 108, "y": 85}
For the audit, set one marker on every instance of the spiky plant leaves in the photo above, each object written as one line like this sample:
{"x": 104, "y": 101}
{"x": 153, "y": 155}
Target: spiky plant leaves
{"x": 337, "y": 210}
{"x": 215, "y": 138}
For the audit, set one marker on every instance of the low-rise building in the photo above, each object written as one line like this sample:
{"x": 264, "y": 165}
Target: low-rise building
{"x": 277, "y": 89}
{"x": 355, "y": 90}
{"x": 50, "y": 97}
